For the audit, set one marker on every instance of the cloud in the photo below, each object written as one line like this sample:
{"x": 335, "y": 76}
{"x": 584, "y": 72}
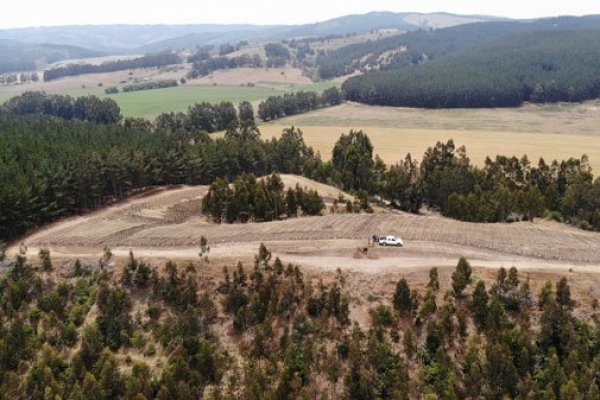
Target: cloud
{"x": 69, "y": 12}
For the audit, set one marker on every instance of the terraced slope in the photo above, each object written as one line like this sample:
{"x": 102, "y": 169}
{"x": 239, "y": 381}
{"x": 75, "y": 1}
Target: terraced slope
{"x": 171, "y": 219}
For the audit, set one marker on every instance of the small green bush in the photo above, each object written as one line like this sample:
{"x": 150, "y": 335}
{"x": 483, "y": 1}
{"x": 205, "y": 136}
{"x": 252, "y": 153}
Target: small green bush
{"x": 555, "y": 216}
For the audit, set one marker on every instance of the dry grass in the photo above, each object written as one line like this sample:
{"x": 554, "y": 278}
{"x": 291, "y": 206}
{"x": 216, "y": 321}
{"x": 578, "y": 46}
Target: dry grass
{"x": 221, "y": 86}
{"x": 553, "y": 132}
{"x": 95, "y": 60}
{"x": 563, "y": 118}
{"x": 88, "y": 83}
{"x": 257, "y": 76}
{"x": 325, "y": 191}
{"x": 251, "y": 50}
{"x": 439, "y": 20}
{"x": 333, "y": 44}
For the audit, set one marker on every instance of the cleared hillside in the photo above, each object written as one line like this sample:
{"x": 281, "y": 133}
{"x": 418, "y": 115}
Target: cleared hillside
{"x": 171, "y": 219}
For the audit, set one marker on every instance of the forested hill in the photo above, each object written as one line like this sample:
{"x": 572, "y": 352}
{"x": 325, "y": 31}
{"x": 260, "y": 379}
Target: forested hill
{"x": 422, "y": 46}
{"x": 18, "y": 56}
{"x": 278, "y": 331}
{"x": 544, "y": 66}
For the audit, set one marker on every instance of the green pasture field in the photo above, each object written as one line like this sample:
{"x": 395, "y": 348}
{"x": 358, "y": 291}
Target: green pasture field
{"x": 149, "y": 103}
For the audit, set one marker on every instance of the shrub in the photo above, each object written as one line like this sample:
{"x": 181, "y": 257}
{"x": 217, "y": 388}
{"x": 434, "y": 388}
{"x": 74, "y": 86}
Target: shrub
{"x": 150, "y": 85}
{"x": 596, "y": 220}
{"x": 383, "y": 316}
{"x": 555, "y": 216}
{"x": 150, "y": 350}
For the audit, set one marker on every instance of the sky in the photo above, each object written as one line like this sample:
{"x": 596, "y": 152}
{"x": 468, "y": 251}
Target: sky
{"x": 26, "y": 13}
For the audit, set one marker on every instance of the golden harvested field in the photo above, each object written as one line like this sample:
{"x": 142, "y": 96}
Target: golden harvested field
{"x": 553, "y": 131}
{"x": 167, "y": 224}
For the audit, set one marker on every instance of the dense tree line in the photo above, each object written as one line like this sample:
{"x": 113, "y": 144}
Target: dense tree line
{"x": 352, "y": 157}
{"x": 303, "y": 48}
{"x": 54, "y": 167}
{"x": 277, "y": 50}
{"x": 537, "y": 67}
{"x": 208, "y": 117}
{"x": 226, "y": 48}
{"x": 205, "y": 66}
{"x": 156, "y": 333}
{"x": 276, "y": 107}
{"x": 277, "y": 55}
{"x": 23, "y": 77}
{"x": 86, "y": 108}
{"x": 505, "y": 189}
{"x": 165, "y": 83}
{"x": 200, "y": 55}
{"x": 148, "y": 61}
{"x": 8, "y": 79}
{"x": 250, "y": 200}
{"x": 509, "y": 188}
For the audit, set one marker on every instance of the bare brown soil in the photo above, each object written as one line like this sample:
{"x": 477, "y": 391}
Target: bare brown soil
{"x": 168, "y": 225}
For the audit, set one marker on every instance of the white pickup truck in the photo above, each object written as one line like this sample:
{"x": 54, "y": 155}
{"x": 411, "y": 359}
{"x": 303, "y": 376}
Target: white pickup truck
{"x": 390, "y": 241}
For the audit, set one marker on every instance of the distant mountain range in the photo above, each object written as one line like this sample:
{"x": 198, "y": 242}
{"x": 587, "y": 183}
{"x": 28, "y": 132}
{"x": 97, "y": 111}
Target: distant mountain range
{"x": 116, "y": 39}
{"x": 421, "y": 38}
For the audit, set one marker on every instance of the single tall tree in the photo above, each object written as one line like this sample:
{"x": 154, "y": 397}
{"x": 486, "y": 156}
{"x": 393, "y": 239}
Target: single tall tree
{"x": 563, "y": 293}
{"x": 203, "y": 254}
{"x": 402, "y": 297}
{"x": 461, "y": 277}
{"x": 434, "y": 280}
{"x": 480, "y": 305}
{"x": 44, "y": 255}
